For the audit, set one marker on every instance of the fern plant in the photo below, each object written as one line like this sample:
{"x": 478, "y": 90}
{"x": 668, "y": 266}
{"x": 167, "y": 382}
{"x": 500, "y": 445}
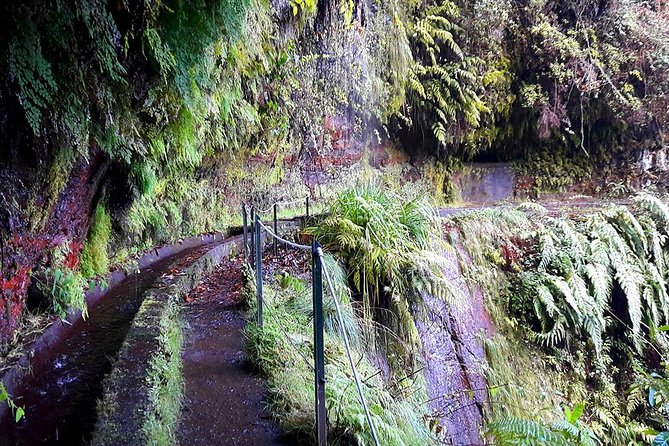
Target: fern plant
{"x": 33, "y": 74}
{"x": 579, "y": 263}
{"x": 443, "y": 81}
{"x": 569, "y": 431}
{"x": 590, "y": 291}
{"x": 389, "y": 245}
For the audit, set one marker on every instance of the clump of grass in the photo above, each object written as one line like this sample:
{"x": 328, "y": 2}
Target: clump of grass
{"x": 165, "y": 382}
{"x": 94, "y": 257}
{"x": 390, "y": 246}
{"x": 63, "y": 282}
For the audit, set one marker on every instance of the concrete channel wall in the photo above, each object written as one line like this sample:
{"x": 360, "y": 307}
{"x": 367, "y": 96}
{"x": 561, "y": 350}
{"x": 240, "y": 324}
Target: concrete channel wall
{"x": 126, "y": 399}
{"x": 486, "y": 183}
{"x": 40, "y": 349}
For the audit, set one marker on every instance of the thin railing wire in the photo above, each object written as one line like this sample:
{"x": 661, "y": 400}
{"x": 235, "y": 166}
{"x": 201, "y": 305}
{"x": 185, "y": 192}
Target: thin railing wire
{"x": 280, "y": 203}
{"x": 344, "y": 336}
{"x": 340, "y": 320}
{"x": 283, "y": 240}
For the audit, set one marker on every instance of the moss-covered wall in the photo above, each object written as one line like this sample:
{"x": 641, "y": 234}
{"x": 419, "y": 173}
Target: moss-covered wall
{"x": 169, "y": 114}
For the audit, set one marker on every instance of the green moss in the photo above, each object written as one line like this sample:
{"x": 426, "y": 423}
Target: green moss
{"x": 57, "y": 177}
{"x": 438, "y": 174}
{"x": 558, "y": 171}
{"x": 165, "y": 382}
{"x": 94, "y": 257}
{"x": 521, "y": 383}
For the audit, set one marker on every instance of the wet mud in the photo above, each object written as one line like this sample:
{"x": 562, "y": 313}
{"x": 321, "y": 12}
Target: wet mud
{"x": 224, "y": 398}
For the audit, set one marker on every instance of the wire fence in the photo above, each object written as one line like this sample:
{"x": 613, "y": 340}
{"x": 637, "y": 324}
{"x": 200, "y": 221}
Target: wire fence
{"x": 254, "y": 251}
{"x": 284, "y": 204}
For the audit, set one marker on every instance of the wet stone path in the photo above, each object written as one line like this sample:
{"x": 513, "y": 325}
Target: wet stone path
{"x": 223, "y": 402}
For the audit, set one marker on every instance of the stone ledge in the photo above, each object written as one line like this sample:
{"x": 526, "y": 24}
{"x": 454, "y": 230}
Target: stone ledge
{"x": 125, "y": 401}
{"x": 41, "y": 348}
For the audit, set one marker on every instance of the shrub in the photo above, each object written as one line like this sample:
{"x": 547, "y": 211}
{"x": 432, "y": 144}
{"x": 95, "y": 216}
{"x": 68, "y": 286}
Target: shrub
{"x": 383, "y": 238}
{"x": 390, "y": 247}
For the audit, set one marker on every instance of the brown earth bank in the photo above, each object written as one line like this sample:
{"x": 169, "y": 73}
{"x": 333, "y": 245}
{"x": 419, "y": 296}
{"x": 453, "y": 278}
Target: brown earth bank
{"x": 224, "y": 398}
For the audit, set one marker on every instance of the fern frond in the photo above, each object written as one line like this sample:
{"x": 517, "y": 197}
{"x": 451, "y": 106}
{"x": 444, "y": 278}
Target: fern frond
{"x": 561, "y": 286}
{"x": 600, "y": 279}
{"x": 524, "y": 432}
{"x": 439, "y": 132}
{"x": 547, "y": 246}
{"x": 655, "y": 206}
{"x": 630, "y": 281}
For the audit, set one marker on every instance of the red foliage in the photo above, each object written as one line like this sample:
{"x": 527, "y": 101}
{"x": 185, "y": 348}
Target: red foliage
{"x": 71, "y": 260}
{"x": 513, "y": 251}
{"x": 16, "y": 284}
{"x": 525, "y": 183}
{"x": 12, "y": 291}
{"x": 510, "y": 255}
{"x": 25, "y": 249}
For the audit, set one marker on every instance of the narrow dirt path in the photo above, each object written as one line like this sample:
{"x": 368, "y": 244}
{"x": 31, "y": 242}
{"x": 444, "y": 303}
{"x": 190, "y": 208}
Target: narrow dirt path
{"x": 223, "y": 397}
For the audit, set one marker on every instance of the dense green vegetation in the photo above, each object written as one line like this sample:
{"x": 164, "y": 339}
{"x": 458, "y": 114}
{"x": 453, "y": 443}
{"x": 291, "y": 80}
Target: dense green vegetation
{"x": 388, "y": 243}
{"x": 283, "y": 351}
{"x": 187, "y": 108}
{"x": 128, "y": 124}
{"x": 580, "y": 302}
{"x": 155, "y": 86}
{"x": 383, "y": 243}
{"x": 569, "y": 431}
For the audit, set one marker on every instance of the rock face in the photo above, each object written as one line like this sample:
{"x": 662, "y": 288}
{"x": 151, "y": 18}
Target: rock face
{"x": 451, "y": 334}
{"x": 653, "y": 166}
{"x": 66, "y": 221}
{"x": 486, "y": 182}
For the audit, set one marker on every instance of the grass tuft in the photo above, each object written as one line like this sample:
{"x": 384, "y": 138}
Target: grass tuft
{"x": 165, "y": 382}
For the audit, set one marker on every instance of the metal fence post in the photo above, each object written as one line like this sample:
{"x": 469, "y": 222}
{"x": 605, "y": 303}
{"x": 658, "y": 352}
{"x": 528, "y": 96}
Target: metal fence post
{"x": 246, "y": 231}
{"x": 252, "y": 249}
{"x": 319, "y": 354}
{"x": 276, "y": 231}
{"x": 258, "y": 255}
{"x": 307, "y": 206}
